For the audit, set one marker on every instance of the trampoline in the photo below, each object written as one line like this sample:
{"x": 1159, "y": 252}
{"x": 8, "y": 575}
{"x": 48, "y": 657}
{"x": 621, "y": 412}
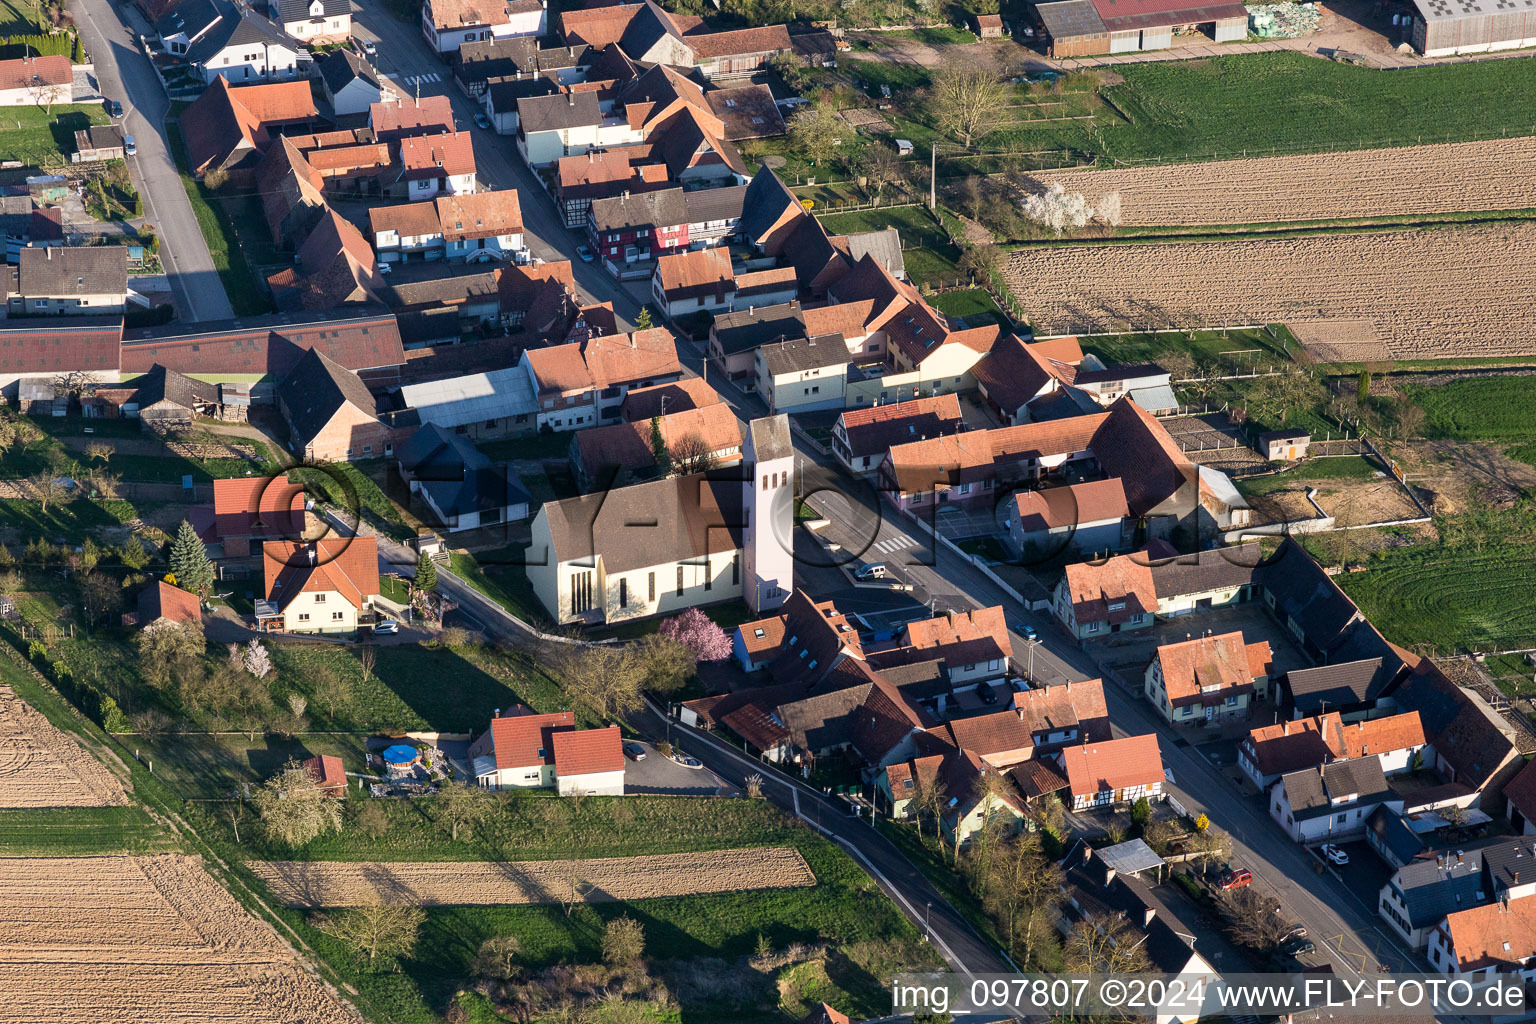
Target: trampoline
{"x": 401, "y": 756}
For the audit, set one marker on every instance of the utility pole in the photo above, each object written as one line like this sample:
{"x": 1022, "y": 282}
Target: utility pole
{"x": 933, "y": 176}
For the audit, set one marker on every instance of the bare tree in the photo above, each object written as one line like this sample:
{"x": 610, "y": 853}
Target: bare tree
{"x": 606, "y": 680}
{"x": 367, "y": 658}
{"x": 497, "y": 957}
{"x": 77, "y": 384}
{"x": 1253, "y": 921}
{"x": 44, "y": 488}
{"x": 1026, "y": 887}
{"x": 817, "y": 131}
{"x": 98, "y": 450}
{"x": 381, "y": 931}
{"x": 967, "y": 102}
{"x": 882, "y": 168}
{"x": 1105, "y": 945}
{"x": 691, "y": 454}
{"x": 458, "y": 808}
{"x": 623, "y": 941}
{"x": 572, "y": 885}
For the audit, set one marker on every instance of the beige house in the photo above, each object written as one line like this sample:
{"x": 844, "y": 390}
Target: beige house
{"x": 959, "y": 776}
{"x": 1208, "y": 677}
{"x": 658, "y": 547}
{"x": 68, "y": 281}
{"x": 522, "y": 750}
{"x": 328, "y": 586}
{"x": 803, "y": 375}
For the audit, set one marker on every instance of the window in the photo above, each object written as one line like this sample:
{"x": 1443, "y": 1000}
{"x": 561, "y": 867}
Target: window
{"x": 581, "y": 592}
{"x": 367, "y": 448}
{"x": 623, "y": 593}
{"x": 679, "y": 581}
{"x": 319, "y": 599}
{"x": 1092, "y": 627}
{"x": 303, "y": 616}
{"x": 736, "y": 569}
{"x": 650, "y": 586}
{"x": 338, "y": 616}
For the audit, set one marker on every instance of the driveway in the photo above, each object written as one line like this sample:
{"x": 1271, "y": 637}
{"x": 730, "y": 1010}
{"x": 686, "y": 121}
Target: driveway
{"x": 123, "y": 72}
{"x": 662, "y": 776}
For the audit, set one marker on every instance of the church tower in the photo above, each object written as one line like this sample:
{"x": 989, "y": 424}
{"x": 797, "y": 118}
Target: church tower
{"x": 768, "y": 503}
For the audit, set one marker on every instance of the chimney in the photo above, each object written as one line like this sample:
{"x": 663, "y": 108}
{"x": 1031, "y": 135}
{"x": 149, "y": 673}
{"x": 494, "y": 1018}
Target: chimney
{"x": 570, "y": 99}
{"x": 1459, "y": 856}
{"x": 496, "y": 713}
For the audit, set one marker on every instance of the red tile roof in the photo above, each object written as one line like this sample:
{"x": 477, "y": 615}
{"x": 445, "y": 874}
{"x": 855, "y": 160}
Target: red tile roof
{"x": 1134, "y": 446}
{"x": 605, "y": 361}
{"x": 698, "y": 272}
{"x": 480, "y": 215}
{"x": 23, "y": 72}
{"x": 1000, "y": 738}
{"x": 60, "y": 344}
{"x": 628, "y": 445}
{"x": 361, "y": 338}
{"x": 258, "y": 506}
{"x": 761, "y": 635}
{"x": 431, "y": 155}
{"x": 1113, "y": 764}
{"x": 1094, "y": 586}
{"x": 739, "y": 41}
{"x": 588, "y": 751}
{"x": 1048, "y": 709}
{"x": 415, "y": 220}
{"x": 224, "y": 117}
{"x": 328, "y": 773}
{"x": 455, "y": 14}
{"x": 1380, "y": 735}
{"x": 872, "y": 430}
{"x": 688, "y": 393}
{"x": 1208, "y": 669}
{"x": 960, "y": 638}
{"x": 1075, "y": 505}
{"x": 348, "y": 566}
{"x": 160, "y": 600}
{"x": 1290, "y": 746}
{"x": 597, "y": 26}
{"x": 522, "y": 740}
{"x": 1499, "y": 934}
{"x": 404, "y": 117}
{"x": 941, "y": 462}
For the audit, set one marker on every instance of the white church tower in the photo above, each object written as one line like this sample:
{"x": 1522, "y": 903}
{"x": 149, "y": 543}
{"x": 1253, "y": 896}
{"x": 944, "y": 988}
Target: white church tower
{"x": 769, "y": 506}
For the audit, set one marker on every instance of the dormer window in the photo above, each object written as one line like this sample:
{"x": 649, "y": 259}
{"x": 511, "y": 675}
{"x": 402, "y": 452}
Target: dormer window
{"x": 758, "y": 633}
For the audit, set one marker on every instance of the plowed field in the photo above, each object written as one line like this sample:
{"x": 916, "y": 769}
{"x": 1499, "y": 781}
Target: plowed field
{"x": 143, "y": 940}
{"x": 43, "y": 767}
{"x": 1450, "y": 292}
{"x": 601, "y": 880}
{"x": 1499, "y": 174}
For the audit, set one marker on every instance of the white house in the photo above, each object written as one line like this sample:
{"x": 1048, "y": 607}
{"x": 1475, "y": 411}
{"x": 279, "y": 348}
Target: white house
{"x": 1088, "y": 516}
{"x": 1492, "y": 943}
{"x": 36, "y": 81}
{"x": 251, "y": 49}
{"x": 448, "y": 24}
{"x": 314, "y": 21}
{"x": 350, "y": 82}
{"x": 699, "y": 280}
{"x": 433, "y": 165}
{"x": 656, "y": 548}
{"x": 188, "y": 22}
{"x": 803, "y": 375}
{"x": 522, "y": 750}
{"x": 568, "y": 124}
{"x": 458, "y": 482}
{"x": 328, "y": 586}
{"x": 481, "y": 225}
{"x": 1114, "y": 771}
{"x": 1329, "y": 802}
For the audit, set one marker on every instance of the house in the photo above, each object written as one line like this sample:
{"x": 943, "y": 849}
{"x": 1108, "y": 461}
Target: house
{"x": 483, "y": 60}
{"x": 227, "y": 128}
{"x": 764, "y": 287}
{"x": 640, "y": 226}
{"x": 334, "y": 265}
{"x": 1208, "y": 677}
{"x": 330, "y": 413}
{"x": 404, "y": 118}
{"x": 292, "y": 193}
{"x": 50, "y": 346}
{"x": 36, "y": 81}
{"x": 481, "y": 226}
{"x": 314, "y": 21}
{"x": 1097, "y": 599}
{"x": 97, "y": 143}
{"x": 988, "y": 26}
{"x": 244, "y": 48}
{"x": 1064, "y": 715}
{"x": 1421, "y": 893}
{"x": 1495, "y": 943}
{"x": 566, "y": 124}
{"x": 1275, "y": 750}
{"x": 584, "y": 383}
{"x": 803, "y": 632}
{"x": 827, "y": 1014}
{"x": 861, "y": 437}
{"x": 325, "y": 586}
{"x": 974, "y": 645}
{"x": 68, "y": 281}
{"x": 500, "y": 96}
{"x": 1001, "y": 739}
{"x": 1285, "y": 445}
{"x": 449, "y": 24}
{"x": 161, "y": 602}
{"x": 1086, "y": 516}
{"x": 658, "y": 547}
{"x": 461, "y": 486}
{"x": 248, "y": 511}
{"x": 167, "y": 399}
{"x": 1473, "y": 745}
{"x": 734, "y": 337}
{"x": 350, "y": 83}
{"x": 407, "y": 231}
{"x": 329, "y": 777}
{"x": 700, "y": 280}
{"x": 188, "y": 22}
{"x": 434, "y": 164}
{"x": 1113, "y": 771}
{"x": 1329, "y": 802}
{"x": 694, "y": 439}
{"x": 746, "y": 112}
{"x": 602, "y": 174}
{"x": 1520, "y": 800}
{"x": 589, "y": 762}
{"x": 803, "y": 375}
{"x": 641, "y": 404}
{"x": 1077, "y": 28}
{"x": 973, "y": 792}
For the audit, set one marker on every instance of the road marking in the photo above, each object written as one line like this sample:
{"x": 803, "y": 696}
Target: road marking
{"x": 894, "y": 544}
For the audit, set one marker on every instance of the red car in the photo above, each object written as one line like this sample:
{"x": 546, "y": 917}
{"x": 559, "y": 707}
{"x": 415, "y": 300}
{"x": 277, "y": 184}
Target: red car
{"x": 1231, "y": 879}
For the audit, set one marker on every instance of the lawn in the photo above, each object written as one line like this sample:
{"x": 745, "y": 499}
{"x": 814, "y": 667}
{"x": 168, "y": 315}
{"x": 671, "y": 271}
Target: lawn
{"x": 31, "y": 135}
{"x": 971, "y": 302}
{"x": 22, "y": 17}
{"x": 63, "y": 521}
{"x": 1237, "y": 348}
{"x": 875, "y": 73}
{"x": 546, "y": 444}
{"x": 353, "y": 487}
{"x": 939, "y": 35}
{"x": 1479, "y": 409}
{"x": 501, "y": 576}
{"x": 81, "y": 832}
{"x": 1290, "y": 103}
{"x": 1314, "y": 473}
{"x": 928, "y": 253}
{"x": 868, "y": 936}
{"x": 247, "y": 298}
{"x": 207, "y": 767}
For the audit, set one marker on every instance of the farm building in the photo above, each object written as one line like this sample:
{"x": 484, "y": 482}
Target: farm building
{"x": 1284, "y": 445}
{"x": 1075, "y": 28}
{"x": 1442, "y": 28}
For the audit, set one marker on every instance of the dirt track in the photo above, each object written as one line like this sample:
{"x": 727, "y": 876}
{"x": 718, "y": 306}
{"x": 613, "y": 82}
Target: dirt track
{"x": 43, "y": 767}
{"x": 144, "y": 940}
{"x": 1498, "y": 174}
{"x": 1417, "y": 294}
{"x": 601, "y": 880}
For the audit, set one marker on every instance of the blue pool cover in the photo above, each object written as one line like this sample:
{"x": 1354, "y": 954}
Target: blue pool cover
{"x": 400, "y": 754}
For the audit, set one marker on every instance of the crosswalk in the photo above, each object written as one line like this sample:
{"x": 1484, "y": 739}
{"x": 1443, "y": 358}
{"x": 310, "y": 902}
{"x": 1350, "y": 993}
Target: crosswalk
{"x": 412, "y": 80}
{"x": 894, "y": 544}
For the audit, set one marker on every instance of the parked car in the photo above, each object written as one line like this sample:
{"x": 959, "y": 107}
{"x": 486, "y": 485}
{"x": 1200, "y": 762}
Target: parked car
{"x": 1334, "y": 854}
{"x": 114, "y": 109}
{"x": 687, "y": 761}
{"x": 1298, "y": 931}
{"x": 870, "y": 571}
{"x": 986, "y": 693}
{"x": 586, "y": 254}
{"x": 387, "y": 627}
{"x": 1235, "y": 879}
{"x": 129, "y": 147}
{"x": 1298, "y": 946}
{"x": 370, "y": 48}
{"x": 481, "y": 121}
{"x": 1026, "y": 631}
{"x": 634, "y": 751}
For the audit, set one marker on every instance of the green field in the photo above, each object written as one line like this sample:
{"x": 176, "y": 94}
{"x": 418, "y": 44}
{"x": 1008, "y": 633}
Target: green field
{"x": 1321, "y": 473}
{"x": 354, "y": 487}
{"x": 31, "y": 135}
{"x": 81, "y": 832}
{"x": 1237, "y": 348}
{"x": 247, "y": 298}
{"x": 928, "y": 253}
{"x": 22, "y": 17}
{"x": 208, "y": 767}
{"x": 970, "y": 302}
{"x": 67, "y": 521}
{"x": 1479, "y": 409}
{"x": 500, "y": 575}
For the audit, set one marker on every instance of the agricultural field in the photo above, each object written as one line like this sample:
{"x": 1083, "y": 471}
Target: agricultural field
{"x": 1402, "y": 294}
{"x": 598, "y": 880}
{"x": 145, "y": 939}
{"x": 40, "y": 766}
{"x": 1494, "y": 409}
{"x": 1499, "y": 174}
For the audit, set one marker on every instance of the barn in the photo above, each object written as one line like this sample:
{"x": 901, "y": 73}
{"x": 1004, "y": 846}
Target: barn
{"x": 1075, "y": 28}
{"x": 1442, "y": 28}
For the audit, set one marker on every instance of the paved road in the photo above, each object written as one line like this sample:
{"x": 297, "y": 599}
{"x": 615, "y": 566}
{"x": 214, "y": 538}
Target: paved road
{"x": 405, "y": 58}
{"x": 125, "y": 73}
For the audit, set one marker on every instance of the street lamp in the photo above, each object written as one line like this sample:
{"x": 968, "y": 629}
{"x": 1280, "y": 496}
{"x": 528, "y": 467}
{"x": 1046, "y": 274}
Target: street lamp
{"x": 927, "y": 932}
